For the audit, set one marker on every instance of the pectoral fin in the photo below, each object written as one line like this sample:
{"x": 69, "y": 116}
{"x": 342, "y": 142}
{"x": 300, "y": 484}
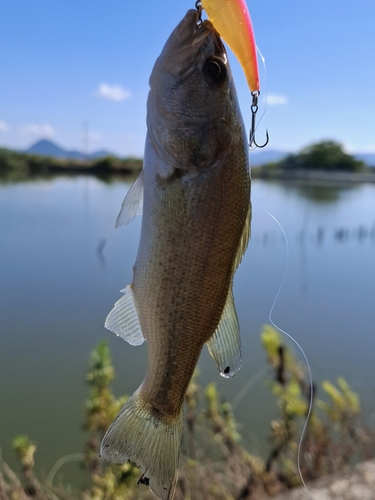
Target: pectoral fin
{"x": 123, "y": 319}
{"x": 225, "y": 344}
{"x": 132, "y": 204}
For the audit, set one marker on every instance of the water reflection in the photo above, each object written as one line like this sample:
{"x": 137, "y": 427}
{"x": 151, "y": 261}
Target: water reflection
{"x": 322, "y": 193}
{"x": 100, "y": 250}
{"x": 318, "y": 236}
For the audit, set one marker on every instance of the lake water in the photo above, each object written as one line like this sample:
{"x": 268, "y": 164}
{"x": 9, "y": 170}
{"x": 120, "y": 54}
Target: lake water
{"x": 56, "y": 290}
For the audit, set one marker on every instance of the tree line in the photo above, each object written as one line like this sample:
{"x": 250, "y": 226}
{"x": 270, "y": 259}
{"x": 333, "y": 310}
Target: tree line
{"x": 16, "y": 166}
{"x": 325, "y": 155}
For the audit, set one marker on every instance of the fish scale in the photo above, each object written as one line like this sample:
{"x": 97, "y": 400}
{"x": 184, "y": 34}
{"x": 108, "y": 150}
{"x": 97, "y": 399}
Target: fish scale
{"x": 191, "y": 321}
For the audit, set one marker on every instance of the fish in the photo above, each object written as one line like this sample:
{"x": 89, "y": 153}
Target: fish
{"x": 232, "y": 20}
{"x": 194, "y": 191}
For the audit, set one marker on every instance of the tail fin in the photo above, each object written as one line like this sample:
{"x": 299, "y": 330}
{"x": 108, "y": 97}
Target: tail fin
{"x": 154, "y": 446}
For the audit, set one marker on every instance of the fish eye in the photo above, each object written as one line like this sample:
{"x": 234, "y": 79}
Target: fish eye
{"x": 215, "y": 71}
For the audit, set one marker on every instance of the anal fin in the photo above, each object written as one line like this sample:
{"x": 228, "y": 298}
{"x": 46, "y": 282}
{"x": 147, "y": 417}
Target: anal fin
{"x": 225, "y": 344}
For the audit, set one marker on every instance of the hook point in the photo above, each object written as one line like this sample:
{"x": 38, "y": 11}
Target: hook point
{"x": 263, "y": 145}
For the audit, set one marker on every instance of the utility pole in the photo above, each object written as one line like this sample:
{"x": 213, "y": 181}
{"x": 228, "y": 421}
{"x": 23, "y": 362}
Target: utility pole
{"x": 85, "y": 138}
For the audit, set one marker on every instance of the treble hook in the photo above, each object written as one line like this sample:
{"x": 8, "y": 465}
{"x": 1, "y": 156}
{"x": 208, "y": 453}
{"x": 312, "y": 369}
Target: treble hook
{"x": 199, "y": 7}
{"x": 254, "y": 109}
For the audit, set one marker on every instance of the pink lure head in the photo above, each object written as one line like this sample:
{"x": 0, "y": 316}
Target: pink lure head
{"x": 231, "y": 18}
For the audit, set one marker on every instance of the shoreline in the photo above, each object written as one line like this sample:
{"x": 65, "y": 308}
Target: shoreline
{"x": 312, "y": 176}
{"x": 16, "y": 167}
{"x": 126, "y": 167}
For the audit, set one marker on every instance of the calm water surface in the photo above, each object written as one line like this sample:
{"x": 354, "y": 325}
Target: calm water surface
{"x": 56, "y": 290}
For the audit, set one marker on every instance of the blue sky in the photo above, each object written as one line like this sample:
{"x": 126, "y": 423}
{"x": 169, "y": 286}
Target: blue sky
{"x": 64, "y": 63}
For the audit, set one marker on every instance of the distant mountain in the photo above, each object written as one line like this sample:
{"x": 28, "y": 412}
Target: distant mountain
{"x": 102, "y": 153}
{"x": 368, "y": 158}
{"x": 258, "y": 158}
{"x": 49, "y": 148}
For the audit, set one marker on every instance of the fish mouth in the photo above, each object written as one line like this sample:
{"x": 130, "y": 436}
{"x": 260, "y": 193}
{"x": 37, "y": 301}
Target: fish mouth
{"x": 186, "y": 44}
{"x": 187, "y": 99}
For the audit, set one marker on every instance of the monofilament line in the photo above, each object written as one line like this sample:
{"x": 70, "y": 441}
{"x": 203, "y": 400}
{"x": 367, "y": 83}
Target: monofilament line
{"x": 293, "y": 340}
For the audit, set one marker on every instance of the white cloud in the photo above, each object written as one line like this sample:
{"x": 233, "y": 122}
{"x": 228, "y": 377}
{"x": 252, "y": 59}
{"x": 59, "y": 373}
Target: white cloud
{"x": 42, "y": 130}
{"x": 112, "y": 92}
{"x": 4, "y": 127}
{"x": 276, "y": 100}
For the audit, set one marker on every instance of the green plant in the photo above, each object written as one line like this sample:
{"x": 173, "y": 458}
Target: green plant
{"x": 335, "y": 435}
{"x": 214, "y": 464}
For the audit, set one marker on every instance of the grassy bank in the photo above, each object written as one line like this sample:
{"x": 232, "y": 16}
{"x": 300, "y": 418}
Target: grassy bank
{"x": 312, "y": 176}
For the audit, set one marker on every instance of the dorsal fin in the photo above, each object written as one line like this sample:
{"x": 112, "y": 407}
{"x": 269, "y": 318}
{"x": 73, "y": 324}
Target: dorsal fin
{"x": 244, "y": 239}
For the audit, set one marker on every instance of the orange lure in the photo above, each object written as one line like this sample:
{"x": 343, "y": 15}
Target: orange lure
{"x": 231, "y": 19}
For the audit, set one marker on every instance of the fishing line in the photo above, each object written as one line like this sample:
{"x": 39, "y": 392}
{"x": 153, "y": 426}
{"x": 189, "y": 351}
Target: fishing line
{"x": 244, "y": 391}
{"x": 304, "y": 429}
{"x": 293, "y": 340}
{"x": 270, "y": 316}
{"x": 265, "y": 83}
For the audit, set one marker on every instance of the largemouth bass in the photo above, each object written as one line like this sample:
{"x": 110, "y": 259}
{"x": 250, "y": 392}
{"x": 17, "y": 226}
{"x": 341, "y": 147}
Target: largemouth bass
{"x": 195, "y": 228}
